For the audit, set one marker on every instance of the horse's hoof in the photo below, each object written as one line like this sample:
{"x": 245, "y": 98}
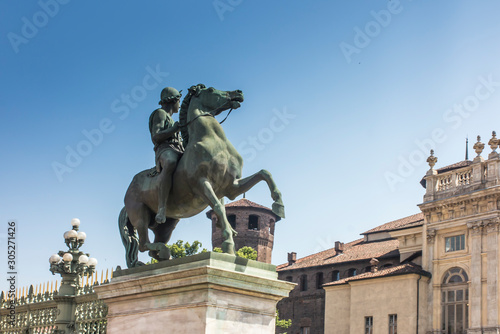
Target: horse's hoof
{"x": 228, "y": 247}
{"x": 164, "y": 254}
{"x": 279, "y": 209}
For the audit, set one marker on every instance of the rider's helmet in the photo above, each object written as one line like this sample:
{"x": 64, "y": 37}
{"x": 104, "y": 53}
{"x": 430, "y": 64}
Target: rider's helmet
{"x": 169, "y": 95}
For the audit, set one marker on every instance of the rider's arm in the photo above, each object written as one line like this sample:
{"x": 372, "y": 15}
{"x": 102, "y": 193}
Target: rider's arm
{"x": 157, "y": 134}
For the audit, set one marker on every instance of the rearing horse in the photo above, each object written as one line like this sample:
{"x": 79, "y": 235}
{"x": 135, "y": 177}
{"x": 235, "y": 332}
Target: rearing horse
{"x": 209, "y": 170}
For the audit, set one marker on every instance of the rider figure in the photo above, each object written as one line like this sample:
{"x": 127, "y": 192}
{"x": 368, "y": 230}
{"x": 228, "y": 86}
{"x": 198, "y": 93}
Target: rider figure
{"x": 167, "y": 145}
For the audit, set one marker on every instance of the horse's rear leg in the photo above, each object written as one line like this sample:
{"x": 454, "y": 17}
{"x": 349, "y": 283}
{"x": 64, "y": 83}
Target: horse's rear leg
{"x": 241, "y": 186}
{"x": 140, "y": 217}
{"x": 162, "y": 233}
{"x": 207, "y": 192}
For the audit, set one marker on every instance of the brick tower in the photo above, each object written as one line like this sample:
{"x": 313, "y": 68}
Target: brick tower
{"x": 254, "y": 224}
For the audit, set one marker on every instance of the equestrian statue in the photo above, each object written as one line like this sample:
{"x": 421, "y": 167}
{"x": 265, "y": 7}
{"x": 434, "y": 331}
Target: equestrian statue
{"x": 191, "y": 173}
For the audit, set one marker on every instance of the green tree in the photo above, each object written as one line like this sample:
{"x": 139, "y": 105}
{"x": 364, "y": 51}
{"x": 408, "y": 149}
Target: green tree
{"x": 282, "y": 323}
{"x": 181, "y": 249}
{"x": 247, "y": 253}
{"x": 244, "y": 252}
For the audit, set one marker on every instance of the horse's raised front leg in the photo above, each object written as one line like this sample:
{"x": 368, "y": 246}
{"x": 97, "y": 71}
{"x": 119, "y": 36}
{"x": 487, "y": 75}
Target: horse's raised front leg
{"x": 241, "y": 186}
{"x": 207, "y": 192}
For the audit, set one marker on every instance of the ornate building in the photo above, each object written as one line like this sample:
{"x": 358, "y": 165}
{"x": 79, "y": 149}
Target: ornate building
{"x": 457, "y": 288}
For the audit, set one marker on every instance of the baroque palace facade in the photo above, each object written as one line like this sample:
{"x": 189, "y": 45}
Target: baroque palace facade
{"x": 436, "y": 271}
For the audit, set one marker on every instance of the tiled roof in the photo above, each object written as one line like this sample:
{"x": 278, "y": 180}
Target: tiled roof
{"x": 244, "y": 203}
{"x": 403, "y": 269}
{"x": 460, "y": 164}
{"x": 353, "y": 251}
{"x": 406, "y": 222}
{"x": 445, "y": 169}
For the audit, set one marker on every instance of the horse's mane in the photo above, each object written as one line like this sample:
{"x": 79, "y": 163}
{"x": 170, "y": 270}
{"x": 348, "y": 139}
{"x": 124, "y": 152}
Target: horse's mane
{"x": 183, "y": 113}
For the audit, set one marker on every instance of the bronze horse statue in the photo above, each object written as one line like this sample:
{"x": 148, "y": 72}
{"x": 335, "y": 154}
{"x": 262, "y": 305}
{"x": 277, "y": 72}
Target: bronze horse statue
{"x": 208, "y": 171}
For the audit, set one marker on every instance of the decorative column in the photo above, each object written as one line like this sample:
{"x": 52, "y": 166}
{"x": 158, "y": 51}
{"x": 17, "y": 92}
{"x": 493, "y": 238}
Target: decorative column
{"x": 476, "y": 229}
{"x": 492, "y": 271}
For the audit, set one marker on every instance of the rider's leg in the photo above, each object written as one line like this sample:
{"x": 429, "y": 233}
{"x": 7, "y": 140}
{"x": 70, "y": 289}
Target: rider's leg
{"x": 168, "y": 160}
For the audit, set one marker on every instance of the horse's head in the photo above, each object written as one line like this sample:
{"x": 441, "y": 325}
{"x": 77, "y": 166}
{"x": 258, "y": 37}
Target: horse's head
{"x": 216, "y": 101}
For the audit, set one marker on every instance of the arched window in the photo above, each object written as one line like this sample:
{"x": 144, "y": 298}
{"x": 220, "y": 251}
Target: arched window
{"x": 319, "y": 280}
{"x": 303, "y": 283}
{"x": 454, "y": 300}
{"x": 335, "y": 275}
{"x": 352, "y": 272}
{"x": 368, "y": 269}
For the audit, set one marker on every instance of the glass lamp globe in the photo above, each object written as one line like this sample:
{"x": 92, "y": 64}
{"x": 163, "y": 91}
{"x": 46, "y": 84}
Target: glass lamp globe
{"x": 54, "y": 259}
{"x": 67, "y": 257}
{"x": 70, "y": 234}
{"x": 75, "y": 222}
{"x": 81, "y": 236}
{"x": 92, "y": 262}
{"x": 83, "y": 259}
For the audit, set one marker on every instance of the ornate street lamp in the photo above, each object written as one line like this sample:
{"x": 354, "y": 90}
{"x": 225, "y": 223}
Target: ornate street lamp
{"x": 73, "y": 263}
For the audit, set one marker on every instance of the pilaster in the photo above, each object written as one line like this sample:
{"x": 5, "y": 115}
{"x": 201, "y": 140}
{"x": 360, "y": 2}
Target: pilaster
{"x": 476, "y": 230}
{"x": 492, "y": 271}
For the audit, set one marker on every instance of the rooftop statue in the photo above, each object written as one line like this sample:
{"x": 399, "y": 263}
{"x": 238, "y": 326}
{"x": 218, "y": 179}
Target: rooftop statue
{"x": 192, "y": 175}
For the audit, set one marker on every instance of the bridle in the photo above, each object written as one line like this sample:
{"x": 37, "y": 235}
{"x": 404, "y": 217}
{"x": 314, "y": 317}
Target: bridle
{"x": 209, "y": 113}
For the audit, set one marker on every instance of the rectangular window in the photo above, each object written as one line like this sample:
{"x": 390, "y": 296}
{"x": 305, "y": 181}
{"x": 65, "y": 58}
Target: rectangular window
{"x": 368, "y": 325}
{"x": 393, "y": 324}
{"x": 454, "y": 243}
{"x": 305, "y": 330}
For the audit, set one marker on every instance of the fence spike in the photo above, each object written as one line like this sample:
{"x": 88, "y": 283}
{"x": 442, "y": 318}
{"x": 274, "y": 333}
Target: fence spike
{"x": 111, "y": 274}
{"x": 107, "y": 275}
{"x": 55, "y": 289}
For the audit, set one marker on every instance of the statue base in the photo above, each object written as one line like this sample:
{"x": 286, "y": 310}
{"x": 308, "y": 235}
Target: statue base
{"x": 204, "y": 293}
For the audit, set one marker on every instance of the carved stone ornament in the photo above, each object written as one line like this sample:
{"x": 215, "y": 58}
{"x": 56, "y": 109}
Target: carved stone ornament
{"x": 431, "y": 234}
{"x": 476, "y": 227}
{"x": 478, "y": 147}
{"x": 432, "y": 160}
{"x": 494, "y": 141}
{"x": 493, "y": 225}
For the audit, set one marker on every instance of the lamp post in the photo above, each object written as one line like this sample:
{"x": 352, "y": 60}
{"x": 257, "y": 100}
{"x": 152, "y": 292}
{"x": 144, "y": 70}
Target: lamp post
{"x": 71, "y": 265}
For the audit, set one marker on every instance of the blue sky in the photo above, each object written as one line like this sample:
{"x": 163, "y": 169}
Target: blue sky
{"x": 343, "y": 100}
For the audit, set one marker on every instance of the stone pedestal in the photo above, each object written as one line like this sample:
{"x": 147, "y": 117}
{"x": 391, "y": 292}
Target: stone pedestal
{"x": 204, "y": 293}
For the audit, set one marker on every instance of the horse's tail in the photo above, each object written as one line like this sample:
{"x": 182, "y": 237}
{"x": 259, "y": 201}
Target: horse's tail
{"x": 129, "y": 239}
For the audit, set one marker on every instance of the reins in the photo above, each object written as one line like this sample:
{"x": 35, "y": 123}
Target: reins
{"x": 206, "y": 113}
